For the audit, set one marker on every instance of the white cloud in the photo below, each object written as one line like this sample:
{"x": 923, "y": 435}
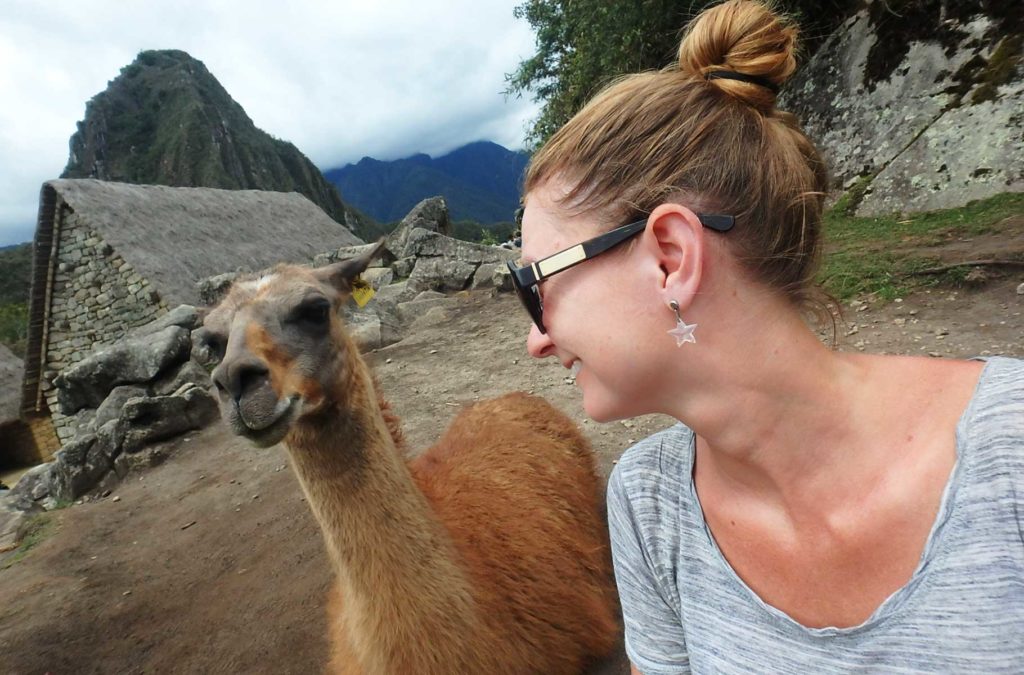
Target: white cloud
{"x": 339, "y": 79}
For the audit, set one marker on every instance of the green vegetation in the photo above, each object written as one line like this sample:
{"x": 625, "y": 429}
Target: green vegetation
{"x": 884, "y": 255}
{"x": 584, "y": 44}
{"x": 15, "y": 278}
{"x": 37, "y": 530}
{"x": 491, "y": 234}
{"x": 14, "y": 327}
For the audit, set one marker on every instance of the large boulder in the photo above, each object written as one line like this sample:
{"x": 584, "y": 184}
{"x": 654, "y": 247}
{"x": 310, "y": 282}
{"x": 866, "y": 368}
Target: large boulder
{"x": 34, "y": 484}
{"x": 135, "y": 360}
{"x": 158, "y": 418}
{"x": 190, "y": 372}
{"x": 78, "y": 467}
{"x": 919, "y": 113}
{"x": 111, "y": 407}
{"x": 441, "y": 274}
{"x": 430, "y": 215}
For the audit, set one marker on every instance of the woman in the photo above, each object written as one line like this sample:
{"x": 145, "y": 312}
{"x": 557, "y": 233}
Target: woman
{"x": 815, "y": 511}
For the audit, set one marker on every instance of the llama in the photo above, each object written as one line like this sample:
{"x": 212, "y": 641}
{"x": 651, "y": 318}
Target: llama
{"x": 487, "y": 553}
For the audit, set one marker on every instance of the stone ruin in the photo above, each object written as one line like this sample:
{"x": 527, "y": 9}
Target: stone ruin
{"x": 126, "y": 400}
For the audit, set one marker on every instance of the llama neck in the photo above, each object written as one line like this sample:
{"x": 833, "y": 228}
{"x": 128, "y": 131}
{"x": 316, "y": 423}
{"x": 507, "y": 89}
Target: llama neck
{"x": 398, "y": 572}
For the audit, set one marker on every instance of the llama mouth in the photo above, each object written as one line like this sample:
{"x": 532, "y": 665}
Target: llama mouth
{"x": 271, "y": 431}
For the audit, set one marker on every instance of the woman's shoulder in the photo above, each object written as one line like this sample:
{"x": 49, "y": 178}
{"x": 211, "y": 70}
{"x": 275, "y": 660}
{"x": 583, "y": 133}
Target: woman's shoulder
{"x": 994, "y": 420}
{"x": 658, "y": 467}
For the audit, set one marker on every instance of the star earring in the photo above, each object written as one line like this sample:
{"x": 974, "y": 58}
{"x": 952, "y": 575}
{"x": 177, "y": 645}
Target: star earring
{"x": 683, "y": 332}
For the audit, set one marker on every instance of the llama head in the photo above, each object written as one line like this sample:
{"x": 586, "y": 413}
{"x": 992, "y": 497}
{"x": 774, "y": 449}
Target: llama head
{"x": 283, "y": 350}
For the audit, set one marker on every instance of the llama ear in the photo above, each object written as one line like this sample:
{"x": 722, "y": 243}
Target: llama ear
{"x": 342, "y": 273}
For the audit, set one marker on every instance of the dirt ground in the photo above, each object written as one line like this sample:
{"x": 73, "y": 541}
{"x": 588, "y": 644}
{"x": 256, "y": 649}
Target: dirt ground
{"x": 212, "y": 563}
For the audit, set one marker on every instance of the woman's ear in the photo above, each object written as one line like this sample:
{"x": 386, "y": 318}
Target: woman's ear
{"x": 675, "y": 237}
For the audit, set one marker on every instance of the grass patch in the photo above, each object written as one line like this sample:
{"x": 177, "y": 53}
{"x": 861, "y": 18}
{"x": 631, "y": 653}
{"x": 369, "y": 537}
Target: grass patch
{"x": 37, "y": 530}
{"x": 881, "y": 255}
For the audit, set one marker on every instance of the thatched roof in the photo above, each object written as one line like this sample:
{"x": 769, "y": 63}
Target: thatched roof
{"x": 11, "y": 370}
{"x": 176, "y": 236}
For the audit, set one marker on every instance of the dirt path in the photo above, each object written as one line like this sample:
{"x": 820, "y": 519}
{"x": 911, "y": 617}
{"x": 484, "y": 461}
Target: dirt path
{"x": 211, "y": 562}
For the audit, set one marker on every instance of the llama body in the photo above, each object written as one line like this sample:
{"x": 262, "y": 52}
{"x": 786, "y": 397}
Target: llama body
{"x": 487, "y": 553}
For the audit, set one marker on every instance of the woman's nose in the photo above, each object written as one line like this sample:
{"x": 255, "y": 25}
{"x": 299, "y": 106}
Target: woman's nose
{"x": 539, "y": 344}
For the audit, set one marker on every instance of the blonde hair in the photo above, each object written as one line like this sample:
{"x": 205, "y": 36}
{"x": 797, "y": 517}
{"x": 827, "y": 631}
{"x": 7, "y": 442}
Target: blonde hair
{"x": 716, "y": 145}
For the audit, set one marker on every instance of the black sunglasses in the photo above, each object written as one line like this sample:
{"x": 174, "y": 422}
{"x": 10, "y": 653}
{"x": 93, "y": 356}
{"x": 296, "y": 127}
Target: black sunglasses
{"x": 526, "y": 278}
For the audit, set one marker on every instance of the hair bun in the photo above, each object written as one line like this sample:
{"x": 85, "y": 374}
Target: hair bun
{"x": 743, "y": 37}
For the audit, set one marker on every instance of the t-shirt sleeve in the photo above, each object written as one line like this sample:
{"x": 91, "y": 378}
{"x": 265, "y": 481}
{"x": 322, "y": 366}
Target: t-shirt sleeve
{"x": 655, "y": 641}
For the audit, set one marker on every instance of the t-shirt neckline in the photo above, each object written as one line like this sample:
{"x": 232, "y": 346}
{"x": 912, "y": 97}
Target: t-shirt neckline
{"x": 900, "y": 596}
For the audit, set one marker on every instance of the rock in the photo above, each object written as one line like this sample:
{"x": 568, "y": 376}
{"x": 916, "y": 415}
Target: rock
{"x": 110, "y": 438}
{"x": 378, "y": 276}
{"x": 921, "y": 121}
{"x": 110, "y": 409}
{"x": 398, "y": 291}
{"x": 501, "y": 279}
{"x": 213, "y": 289}
{"x": 482, "y": 276}
{"x": 1020, "y": 290}
{"x": 16, "y": 512}
{"x": 135, "y": 360}
{"x": 34, "y": 484}
{"x": 71, "y": 479}
{"x": 185, "y": 316}
{"x": 403, "y": 268}
{"x": 201, "y": 353}
{"x": 366, "y": 333}
{"x": 441, "y": 274}
{"x": 430, "y": 215}
{"x": 82, "y": 422}
{"x": 157, "y": 418}
{"x": 75, "y": 452}
{"x": 426, "y": 244}
{"x": 429, "y": 295}
{"x": 190, "y": 372}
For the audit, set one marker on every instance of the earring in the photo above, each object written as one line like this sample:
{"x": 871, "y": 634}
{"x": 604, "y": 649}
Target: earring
{"x": 683, "y": 332}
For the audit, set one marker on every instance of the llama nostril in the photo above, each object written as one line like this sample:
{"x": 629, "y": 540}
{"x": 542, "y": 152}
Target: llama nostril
{"x": 238, "y": 378}
{"x": 247, "y": 376}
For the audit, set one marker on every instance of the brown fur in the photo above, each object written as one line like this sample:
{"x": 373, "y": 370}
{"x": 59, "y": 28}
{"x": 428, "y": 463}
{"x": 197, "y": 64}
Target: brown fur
{"x": 488, "y": 553}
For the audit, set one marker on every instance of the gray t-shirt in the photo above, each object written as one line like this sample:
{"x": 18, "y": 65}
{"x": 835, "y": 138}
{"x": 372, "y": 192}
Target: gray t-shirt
{"x": 685, "y": 608}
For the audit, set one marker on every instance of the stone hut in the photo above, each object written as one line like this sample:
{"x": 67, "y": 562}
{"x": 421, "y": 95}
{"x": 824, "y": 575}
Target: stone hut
{"x": 109, "y": 257}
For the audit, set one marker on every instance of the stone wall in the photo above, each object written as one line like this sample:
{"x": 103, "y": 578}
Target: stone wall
{"x": 96, "y": 298}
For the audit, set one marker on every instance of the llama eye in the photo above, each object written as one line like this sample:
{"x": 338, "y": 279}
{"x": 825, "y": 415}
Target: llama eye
{"x": 313, "y": 313}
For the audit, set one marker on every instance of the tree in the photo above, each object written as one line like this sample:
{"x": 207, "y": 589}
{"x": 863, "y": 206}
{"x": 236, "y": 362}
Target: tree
{"x": 584, "y": 44}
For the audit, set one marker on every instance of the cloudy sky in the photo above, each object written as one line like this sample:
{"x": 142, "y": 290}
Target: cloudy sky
{"x": 341, "y": 79}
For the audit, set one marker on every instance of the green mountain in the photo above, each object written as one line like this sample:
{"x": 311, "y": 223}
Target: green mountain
{"x": 166, "y": 120}
{"x": 480, "y": 181}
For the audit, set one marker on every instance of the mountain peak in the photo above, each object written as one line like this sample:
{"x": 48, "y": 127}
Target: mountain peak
{"x": 166, "y": 120}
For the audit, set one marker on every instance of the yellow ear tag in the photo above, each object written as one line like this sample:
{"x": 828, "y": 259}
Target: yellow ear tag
{"x": 362, "y": 292}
